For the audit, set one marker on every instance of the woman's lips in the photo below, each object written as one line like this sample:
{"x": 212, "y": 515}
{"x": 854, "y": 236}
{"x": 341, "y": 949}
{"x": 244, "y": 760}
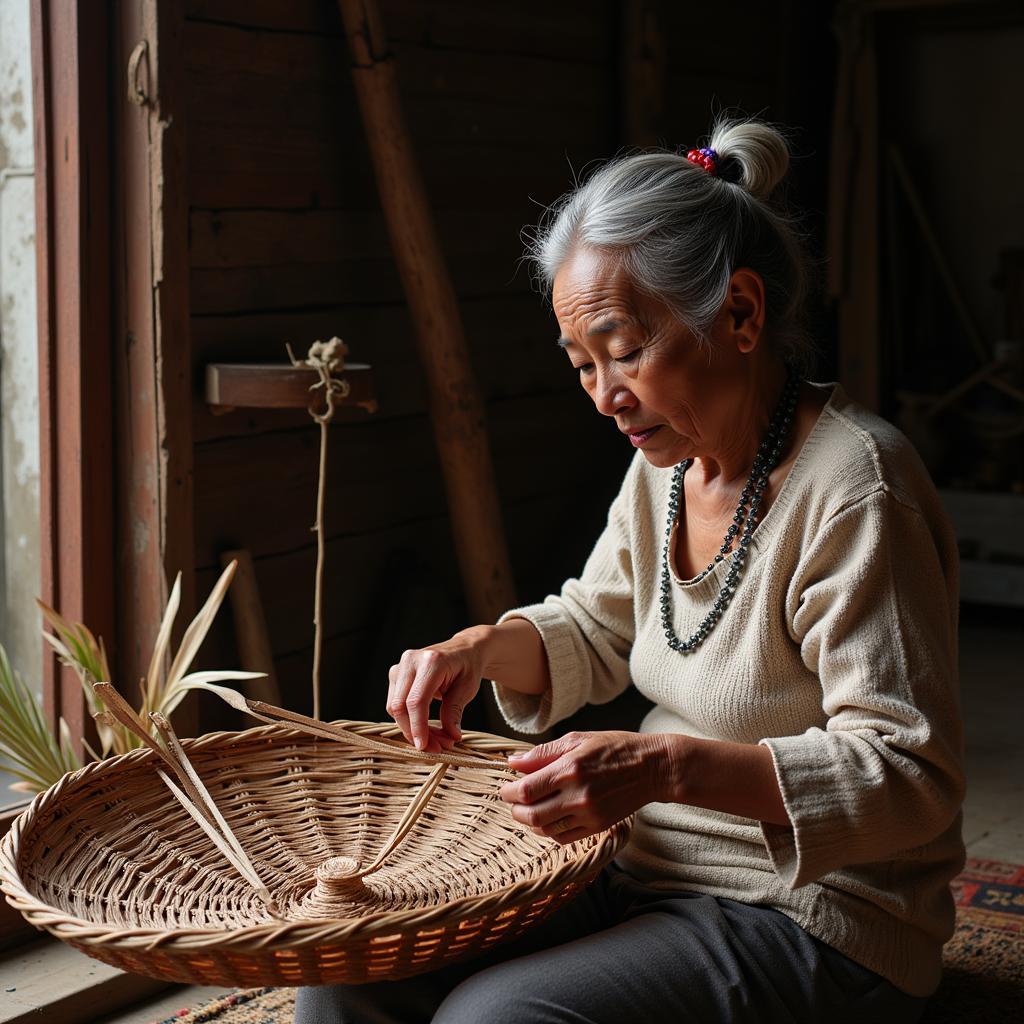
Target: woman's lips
{"x": 639, "y": 438}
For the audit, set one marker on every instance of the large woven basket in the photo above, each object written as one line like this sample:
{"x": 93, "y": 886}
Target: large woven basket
{"x": 109, "y": 862}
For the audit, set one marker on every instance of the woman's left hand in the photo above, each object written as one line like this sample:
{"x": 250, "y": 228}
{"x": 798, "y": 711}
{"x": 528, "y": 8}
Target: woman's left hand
{"x": 584, "y": 782}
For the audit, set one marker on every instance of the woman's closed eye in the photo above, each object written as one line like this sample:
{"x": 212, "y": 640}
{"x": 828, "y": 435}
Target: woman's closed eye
{"x": 629, "y": 357}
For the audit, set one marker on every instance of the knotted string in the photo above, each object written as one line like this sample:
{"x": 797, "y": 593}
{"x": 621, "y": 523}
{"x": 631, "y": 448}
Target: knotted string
{"x": 328, "y": 359}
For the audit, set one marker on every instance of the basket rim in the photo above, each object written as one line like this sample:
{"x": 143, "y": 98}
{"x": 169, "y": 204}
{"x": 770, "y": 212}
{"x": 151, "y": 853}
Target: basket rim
{"x": 282, "y": 934}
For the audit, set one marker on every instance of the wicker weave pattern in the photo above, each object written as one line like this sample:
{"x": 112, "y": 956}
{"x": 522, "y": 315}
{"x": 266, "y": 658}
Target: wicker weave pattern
{"x": 107, "y": 861}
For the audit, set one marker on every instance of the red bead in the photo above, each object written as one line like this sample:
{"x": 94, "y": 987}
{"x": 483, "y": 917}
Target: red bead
{"x": 703, "y": 160}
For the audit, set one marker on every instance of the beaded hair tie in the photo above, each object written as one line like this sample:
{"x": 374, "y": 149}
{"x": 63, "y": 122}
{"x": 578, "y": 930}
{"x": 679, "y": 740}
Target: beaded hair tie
{"x": 704, "y": 157}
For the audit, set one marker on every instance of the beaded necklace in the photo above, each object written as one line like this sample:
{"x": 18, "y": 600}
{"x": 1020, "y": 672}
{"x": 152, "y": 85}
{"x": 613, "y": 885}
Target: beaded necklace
{"x": 751, "y": 498}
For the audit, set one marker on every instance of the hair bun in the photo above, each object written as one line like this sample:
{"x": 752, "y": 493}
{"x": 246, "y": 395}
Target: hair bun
{"x": 752, "y": 154}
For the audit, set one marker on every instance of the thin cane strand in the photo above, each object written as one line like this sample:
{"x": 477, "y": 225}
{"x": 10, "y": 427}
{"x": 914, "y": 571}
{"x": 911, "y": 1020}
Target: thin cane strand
{"x": 318, "y": 589}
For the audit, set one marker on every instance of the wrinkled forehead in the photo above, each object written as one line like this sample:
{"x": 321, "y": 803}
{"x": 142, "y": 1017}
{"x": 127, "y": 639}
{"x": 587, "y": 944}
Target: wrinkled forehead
{"x": 591, "y": 282}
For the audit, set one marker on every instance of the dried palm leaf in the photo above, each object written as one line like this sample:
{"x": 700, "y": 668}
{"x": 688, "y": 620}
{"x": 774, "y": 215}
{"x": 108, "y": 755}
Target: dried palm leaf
{"x": 158, "y": 662}
{"x": 163, "y": 688}
{"x": 85, "y": 655}
{"x": 26, "y": 742}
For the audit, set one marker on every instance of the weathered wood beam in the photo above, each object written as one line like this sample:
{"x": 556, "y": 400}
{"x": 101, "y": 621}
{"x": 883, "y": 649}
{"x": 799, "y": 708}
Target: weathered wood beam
{"x": 152, "y": 362}
{"x": 72, "y": 130}
{"x": 456, "y": 406}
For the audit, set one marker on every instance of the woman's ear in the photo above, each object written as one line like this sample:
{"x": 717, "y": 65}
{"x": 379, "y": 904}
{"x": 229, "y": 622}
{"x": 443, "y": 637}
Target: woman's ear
{"x": 744, "y": 310}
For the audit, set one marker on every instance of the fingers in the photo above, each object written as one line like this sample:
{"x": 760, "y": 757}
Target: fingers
{"x": 577, "y": 785}
{"x": 545, "y": 753}
{"x": 438, "y": 740}
{"x": 574, "y": 834}
{"x": 542, "y": 816}
{"x": 425, "y": 684}
{"x": 411, "y": 686}
{"x": 399, "y": 680}
{"x": 552, "y": 819}
{"x": 543, "y": 769}
{"x": 451, "y": 714}
{"x": 414, "y": 683}
{"x": 531, "y": 789}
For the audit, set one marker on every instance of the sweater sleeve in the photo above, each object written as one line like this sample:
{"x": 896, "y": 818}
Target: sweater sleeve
{"x": 873, "y": 606}
{"x": 587, "y": 629}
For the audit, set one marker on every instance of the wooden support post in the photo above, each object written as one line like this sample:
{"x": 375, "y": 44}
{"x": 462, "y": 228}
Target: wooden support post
{"x": 69, "y": 72}
{"x": 456, "y": 405}
{"x": 153, "y": 374}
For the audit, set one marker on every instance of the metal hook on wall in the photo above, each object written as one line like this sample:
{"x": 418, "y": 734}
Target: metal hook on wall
{"x": 137, "y": 94}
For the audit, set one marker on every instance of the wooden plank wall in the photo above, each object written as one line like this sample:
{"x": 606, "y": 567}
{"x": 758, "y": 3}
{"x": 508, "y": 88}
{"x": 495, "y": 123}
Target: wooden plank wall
{"x": 287, "y": 243}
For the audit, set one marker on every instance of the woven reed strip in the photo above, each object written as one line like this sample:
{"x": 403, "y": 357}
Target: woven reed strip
{"x": 273, "y": 715}
{"x": 104, "y": 861}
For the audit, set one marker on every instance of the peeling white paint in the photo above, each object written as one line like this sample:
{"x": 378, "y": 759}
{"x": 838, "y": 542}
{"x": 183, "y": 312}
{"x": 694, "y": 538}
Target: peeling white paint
{"x": 19, "y": 380}
{"x": 140, "y": 536}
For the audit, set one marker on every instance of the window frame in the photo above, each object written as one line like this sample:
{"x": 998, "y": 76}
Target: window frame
{"x": 71, "y": 142}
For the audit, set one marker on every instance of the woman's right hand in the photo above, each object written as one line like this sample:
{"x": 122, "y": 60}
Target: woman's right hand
{"x": 450, "y": 672}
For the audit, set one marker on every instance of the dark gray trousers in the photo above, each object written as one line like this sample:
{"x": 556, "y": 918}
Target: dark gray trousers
{"x": 624, "y": 952}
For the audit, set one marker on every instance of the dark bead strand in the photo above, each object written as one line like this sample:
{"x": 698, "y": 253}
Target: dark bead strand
{"x": 745, "y": 519}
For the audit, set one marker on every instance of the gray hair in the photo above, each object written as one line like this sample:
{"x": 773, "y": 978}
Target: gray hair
{"x": 680, "y": 232}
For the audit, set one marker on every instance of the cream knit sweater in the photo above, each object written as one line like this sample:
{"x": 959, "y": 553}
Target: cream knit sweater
{"x": 838, "y": 652}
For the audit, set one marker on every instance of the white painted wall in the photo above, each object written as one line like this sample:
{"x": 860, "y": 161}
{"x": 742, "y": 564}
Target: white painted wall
{"x": 19, "y": 381}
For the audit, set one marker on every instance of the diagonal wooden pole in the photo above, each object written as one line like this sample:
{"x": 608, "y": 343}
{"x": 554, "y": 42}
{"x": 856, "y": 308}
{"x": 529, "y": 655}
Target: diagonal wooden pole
{"x": 456, "y": 405}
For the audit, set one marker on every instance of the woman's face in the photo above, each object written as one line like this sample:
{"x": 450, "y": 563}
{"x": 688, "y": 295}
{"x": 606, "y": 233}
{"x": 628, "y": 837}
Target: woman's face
{"x": 670, "y": 395}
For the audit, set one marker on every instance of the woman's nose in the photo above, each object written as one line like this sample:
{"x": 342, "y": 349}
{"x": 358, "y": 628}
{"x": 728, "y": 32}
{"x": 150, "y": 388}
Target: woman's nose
{"x": 611, "y": 396}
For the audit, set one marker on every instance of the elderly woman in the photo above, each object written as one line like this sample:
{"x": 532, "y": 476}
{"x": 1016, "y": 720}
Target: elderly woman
{"x": 778, "y": 577}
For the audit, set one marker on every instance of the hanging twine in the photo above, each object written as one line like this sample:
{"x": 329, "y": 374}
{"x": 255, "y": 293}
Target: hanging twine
{"x": 328, "y": 359}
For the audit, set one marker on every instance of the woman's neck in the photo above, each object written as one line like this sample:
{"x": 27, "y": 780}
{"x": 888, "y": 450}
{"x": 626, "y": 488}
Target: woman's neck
{"x": 730, "y": 455}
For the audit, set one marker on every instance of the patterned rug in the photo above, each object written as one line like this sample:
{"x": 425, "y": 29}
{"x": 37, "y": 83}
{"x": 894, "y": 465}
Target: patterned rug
{"x": 246, "y": 1006}
{"x": 983, "y": 981}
